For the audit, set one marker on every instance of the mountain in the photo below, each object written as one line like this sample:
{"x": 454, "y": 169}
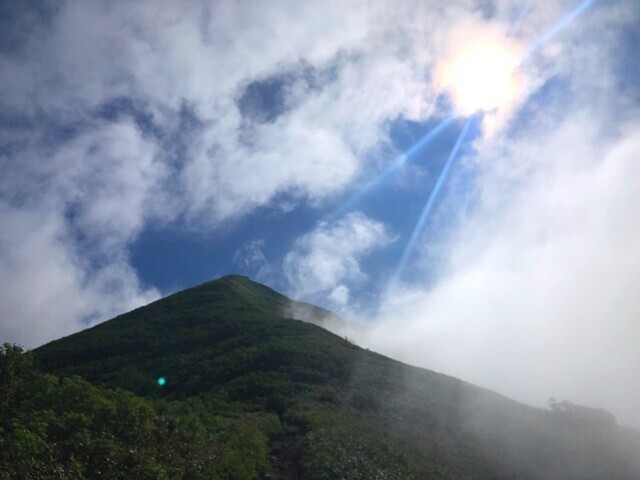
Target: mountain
{"x": 278, "y": 397}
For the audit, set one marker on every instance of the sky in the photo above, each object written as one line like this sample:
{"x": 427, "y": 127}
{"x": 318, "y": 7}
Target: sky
{"x": 460, "y": 180}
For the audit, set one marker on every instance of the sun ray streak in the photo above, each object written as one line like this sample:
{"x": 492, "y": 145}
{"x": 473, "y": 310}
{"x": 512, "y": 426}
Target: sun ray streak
{"x": 417, "y": 231}
{"x": 520, "y": 20}
{"x": 394, "y": 165}
{"x": 557, "y": 28}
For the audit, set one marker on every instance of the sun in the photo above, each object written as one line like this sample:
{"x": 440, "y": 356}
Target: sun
{"x": 482, "y": 75}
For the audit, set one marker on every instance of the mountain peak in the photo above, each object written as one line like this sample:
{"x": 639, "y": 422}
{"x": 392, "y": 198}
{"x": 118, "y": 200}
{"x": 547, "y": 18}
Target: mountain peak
{"x": 232, "y": 278}
{"x": 231, "y": 346}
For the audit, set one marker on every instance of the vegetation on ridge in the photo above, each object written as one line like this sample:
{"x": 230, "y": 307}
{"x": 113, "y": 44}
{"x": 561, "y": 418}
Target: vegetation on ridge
{"x": 67, "y": 428}
{"x": 241, "y": 377}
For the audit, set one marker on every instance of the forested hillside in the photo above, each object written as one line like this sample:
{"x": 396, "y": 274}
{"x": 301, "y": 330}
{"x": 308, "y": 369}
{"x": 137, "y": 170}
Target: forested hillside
{"x": 217, "y": 382}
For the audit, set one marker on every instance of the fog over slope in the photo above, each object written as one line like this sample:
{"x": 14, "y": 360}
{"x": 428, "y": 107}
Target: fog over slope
{"x": 336, "y": 410}
{"x": 528, "y": 286}
{"x": 537, "y": 293}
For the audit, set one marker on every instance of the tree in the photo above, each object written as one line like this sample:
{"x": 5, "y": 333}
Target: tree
{"x": 15, "y": 366}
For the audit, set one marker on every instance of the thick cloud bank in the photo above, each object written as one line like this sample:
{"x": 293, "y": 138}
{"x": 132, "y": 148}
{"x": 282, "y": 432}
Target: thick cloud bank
{"x": 539, "y": 295}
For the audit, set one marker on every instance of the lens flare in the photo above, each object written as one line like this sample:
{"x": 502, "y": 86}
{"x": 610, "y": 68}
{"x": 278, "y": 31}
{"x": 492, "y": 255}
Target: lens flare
{"x": 394, "y": 166}
{"x": 563, "y": 23}
{"x": 433, "y": 196}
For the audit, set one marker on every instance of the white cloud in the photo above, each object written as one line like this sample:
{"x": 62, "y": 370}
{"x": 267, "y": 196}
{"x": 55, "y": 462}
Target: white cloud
{"x": 323, "y": 260}
{"x": 539, "y": 296}
{"x": 372, "y": 64}
{"x": 251, "y": 260}
{"x": 339, "y": 295}
{"x": 72, "y": 211}
{"x": 102, "y": 180}
{"x": 47, "y": 290}
{"x": 535, "y": 294}
{"x": 250, "y": 254}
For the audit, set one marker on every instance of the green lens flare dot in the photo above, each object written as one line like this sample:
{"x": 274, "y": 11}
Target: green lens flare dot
{"x": 161, "y": 381}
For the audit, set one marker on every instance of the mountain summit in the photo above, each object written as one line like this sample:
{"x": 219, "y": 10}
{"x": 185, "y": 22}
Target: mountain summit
{"x": 227, "y": 354}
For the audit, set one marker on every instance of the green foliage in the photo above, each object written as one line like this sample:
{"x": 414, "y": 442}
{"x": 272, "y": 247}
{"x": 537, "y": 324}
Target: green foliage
{"x": 68, "y": 428}
{"x": 14, "y": 366}
{"x": 250, "y": 393}
{"x": 343, "y": 446}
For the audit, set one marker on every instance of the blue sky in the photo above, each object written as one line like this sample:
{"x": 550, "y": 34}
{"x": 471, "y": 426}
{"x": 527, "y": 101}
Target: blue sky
{"x": 147, "y": 147}
{"x": 170, "y": 257}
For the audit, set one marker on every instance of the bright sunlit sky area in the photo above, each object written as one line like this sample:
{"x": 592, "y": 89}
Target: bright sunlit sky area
{"x": 460, "y": 180}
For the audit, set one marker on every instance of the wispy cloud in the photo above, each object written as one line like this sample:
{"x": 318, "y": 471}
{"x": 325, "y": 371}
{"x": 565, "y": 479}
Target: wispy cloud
{"x": 326, "y": 260}
{"x": 251, "y": 260}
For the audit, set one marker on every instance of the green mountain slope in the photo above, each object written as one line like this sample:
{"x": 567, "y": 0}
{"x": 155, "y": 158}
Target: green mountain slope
{"x": 66, "y": 428}
{"x": 228, "y": 351}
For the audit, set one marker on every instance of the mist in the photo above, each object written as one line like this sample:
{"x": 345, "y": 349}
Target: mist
{"x": 526, "y": 283}
{"x": 535, "y": 282}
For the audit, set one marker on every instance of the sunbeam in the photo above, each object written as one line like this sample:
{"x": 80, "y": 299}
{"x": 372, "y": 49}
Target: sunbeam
{"x": 393, "y": 166}
{"x": 457, "y": 74}
{"x": 433, "y": 196}
{"x": 521, "y": 17}
{"x": 557, "y": 28}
